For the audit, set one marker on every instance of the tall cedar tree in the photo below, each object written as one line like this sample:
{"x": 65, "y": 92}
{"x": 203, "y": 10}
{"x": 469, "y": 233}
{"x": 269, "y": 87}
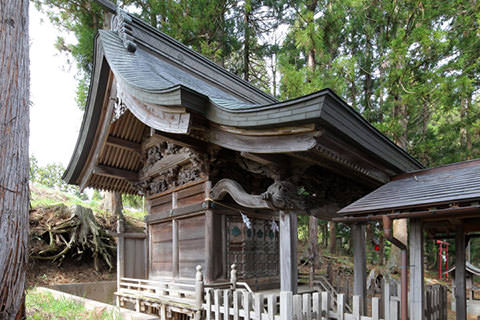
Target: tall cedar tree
{"x": 14, "y": 132}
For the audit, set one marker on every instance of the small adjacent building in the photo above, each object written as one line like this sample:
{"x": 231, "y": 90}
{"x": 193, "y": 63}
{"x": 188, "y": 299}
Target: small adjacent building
{"x": 442, "y": 202}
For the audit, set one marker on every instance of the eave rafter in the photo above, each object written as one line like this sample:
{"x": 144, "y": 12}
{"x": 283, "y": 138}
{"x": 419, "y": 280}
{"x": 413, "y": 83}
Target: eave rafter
{"x": 105, "y": 171}
{"x": 125, "y": 145}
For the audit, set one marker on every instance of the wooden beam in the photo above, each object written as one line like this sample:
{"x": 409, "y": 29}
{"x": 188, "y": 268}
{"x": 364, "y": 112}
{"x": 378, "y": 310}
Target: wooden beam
{"x": 111, "y": 172}
{"x": 359, "y": 265}
{"x": 171, "y": 119}
{"x": 460, "y": 285}
{"x": 125, "y": 144}
{"x": 180, "y": 139}
{"x": 416, "y": 299}
{"x": 277, "y": 131}
{"x": 166, "y": 163}
{"x": 266, "y": 144}
{"x": 288, "y": 252}
{"x": 239, "y": 195}
{"x": 265, "y": 159}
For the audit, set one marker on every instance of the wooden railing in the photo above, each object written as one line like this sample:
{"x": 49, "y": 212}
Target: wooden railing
{"x": 436, "y": 303}
{"x": 319, "y": 281}
{"x": 162, "y": 297}
{"x": 240, "y": 304}
{"x": 232, "y": 300}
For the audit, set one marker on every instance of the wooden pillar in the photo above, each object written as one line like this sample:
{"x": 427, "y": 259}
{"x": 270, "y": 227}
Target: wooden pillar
{"x": 175, "y": 251}
{"x": 460, "y": 292}
{"x": 416, "y": 299}
{"x": 120, "y": 254}
{"x": 288, "y": 252}
{"x": 210, "y": 255}
{"x": 359, "y": 264}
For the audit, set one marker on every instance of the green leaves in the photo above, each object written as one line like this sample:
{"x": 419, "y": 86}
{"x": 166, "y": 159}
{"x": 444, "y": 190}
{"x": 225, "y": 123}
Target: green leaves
{"x": 411, "y": 68}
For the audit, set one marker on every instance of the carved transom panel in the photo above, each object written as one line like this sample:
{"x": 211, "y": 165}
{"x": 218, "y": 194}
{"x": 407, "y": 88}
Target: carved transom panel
{"x": 167, "y": 166}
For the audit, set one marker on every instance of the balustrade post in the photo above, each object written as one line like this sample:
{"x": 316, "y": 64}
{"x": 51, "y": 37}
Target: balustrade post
{"x": 233, "y": 276}
{"x": 199, "y": 292}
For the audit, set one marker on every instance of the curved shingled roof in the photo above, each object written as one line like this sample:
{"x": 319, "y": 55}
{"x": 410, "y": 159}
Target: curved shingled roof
{"x": 159, "y": 74}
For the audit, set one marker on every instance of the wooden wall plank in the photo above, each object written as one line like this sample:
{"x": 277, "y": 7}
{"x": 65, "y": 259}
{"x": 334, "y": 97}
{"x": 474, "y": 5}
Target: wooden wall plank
{"x": 161, "y": 249}
{"x": 191, "y": 245}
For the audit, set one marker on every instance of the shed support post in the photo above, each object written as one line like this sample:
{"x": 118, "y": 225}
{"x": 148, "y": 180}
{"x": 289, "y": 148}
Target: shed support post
{"x": 359, "y": 264}
{"x": 417, "y": 302}
{"x": 120, "y": 252}
{"x": 288, "y": 251}
{"x": 460, "y": 290}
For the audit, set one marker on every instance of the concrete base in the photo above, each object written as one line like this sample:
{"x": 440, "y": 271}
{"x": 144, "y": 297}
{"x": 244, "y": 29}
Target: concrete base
{"x": 99, "y": 307}
{"x": 473, "y": 307}
{"x": 102, "y": 291}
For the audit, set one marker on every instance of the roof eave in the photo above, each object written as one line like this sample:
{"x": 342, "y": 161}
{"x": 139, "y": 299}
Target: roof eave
{"x": 91, "y": 116}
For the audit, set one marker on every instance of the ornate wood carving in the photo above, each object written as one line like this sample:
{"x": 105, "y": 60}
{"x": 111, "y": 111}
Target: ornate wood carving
{"x": 270, "y": 170}
{"x": 120, "y": 25}
{"x": 168, "y": 166}
{"x": 119, "y": 109}
{"x": 355, "y": 166}
{"x": 236, "y": 191}
{"x": 283, "y": 195}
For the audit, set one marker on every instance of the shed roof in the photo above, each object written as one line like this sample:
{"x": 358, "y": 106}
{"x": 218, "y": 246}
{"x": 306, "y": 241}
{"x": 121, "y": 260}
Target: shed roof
{"x": 468, "y": 267}
{"x": 451, "y": 184}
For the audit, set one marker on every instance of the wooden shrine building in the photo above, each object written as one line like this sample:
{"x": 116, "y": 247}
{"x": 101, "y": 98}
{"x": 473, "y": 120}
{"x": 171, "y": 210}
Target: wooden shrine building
{"x": 225, "y": 168}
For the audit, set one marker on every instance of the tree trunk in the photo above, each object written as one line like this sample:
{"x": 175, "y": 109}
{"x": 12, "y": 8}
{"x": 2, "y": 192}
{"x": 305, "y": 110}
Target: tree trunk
{"x": 369, "y": 240}
{"x": 246, "y": 45}
{"x": 117, "y": 210}
{"x": 465, "y": 137}
{"x": 324, "y": 235}
{"x": 400, "y": 232}
{"x": 332, "y": 242}
{"x": 14, "y": 132}
{"x": 381, "y": 250}
{"x": 313, "y": 245}
{"x": 311, "y": 62}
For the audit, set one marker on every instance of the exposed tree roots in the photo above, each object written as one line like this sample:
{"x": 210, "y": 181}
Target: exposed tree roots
{"x": 58, "y": 233}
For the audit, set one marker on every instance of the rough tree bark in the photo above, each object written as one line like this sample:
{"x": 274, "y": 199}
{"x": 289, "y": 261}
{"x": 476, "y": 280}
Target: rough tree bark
{"x": 313, "y": 246}
{"x": 117, "y": 210}
{"x": 14, "y": 132}
{"x": 332, "y": 241}
{"x": 369, "y": 240}
{"x": 381, "y": 251}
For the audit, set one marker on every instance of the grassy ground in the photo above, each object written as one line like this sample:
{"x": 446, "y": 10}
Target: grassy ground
{"x": 45, "y": 197}
{"x": 40, "y": 305}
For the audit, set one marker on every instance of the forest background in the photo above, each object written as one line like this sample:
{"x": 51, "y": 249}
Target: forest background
{"x": 411, "y": 68}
